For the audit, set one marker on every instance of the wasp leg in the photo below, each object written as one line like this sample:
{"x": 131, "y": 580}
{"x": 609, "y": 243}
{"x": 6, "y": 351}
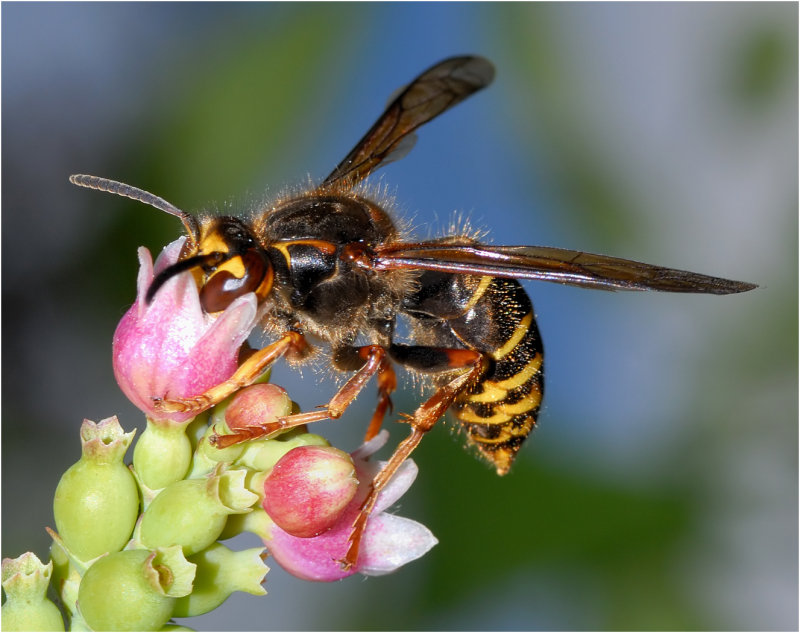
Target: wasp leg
{"x": 387, "y": 383}
{"x": 372, "y": 359}
{"x": 423, "y": 419}
{"x": 350, "y": 358}
{"x": 245, "y": 374}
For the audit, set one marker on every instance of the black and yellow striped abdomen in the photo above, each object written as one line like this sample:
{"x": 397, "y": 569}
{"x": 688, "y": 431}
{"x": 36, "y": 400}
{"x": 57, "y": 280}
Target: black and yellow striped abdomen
{"x": 495, "y": 318}
{"x": 500, "y": 410}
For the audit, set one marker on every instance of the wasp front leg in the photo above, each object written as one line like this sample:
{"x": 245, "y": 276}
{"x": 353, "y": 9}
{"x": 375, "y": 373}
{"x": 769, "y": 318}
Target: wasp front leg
{"x": 247, "y": 373}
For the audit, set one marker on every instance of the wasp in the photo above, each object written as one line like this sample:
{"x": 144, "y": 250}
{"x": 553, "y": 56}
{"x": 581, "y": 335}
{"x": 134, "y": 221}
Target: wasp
{"x": 332, "y": 265}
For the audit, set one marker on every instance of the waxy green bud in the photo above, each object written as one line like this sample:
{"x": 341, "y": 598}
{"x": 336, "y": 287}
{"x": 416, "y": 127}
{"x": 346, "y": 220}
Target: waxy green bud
{"x": 192, "y": 512}
{"x": 97, "y": 501}
{"x": 25, "y": 581}
{"x": 220, "y": 572}
{"x": 134, "y": 590}
{"x": 261, "y": 455}
{"x": 163, "y": 453}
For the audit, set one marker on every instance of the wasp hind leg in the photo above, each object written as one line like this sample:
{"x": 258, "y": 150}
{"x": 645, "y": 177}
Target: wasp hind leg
{"x": 425, "y": 359}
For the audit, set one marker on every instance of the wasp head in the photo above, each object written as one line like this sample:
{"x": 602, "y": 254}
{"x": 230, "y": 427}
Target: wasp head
{"x": 227, "y": 262}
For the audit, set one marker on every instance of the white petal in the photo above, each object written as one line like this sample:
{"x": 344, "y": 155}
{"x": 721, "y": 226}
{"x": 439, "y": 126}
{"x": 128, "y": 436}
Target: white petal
{"x": 391, "y": 542}
{"x": 169, "y": 254}
{"x": 373, "y": 446}
{"x": 398, "y": 485}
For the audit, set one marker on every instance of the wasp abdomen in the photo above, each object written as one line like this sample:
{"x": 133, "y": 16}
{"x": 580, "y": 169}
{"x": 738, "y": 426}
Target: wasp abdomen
{"x": 500, "y": 410}
{"x": 495, "y": 317}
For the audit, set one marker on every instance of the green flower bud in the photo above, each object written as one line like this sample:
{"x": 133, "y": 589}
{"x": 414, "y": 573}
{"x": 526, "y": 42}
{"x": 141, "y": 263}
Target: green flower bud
{"x": 261, "y": 455}
{"x": 196, "y": 429}
{"x": 134, "y": 590}
{"x": 25, "y": 581}
{"x": 192, "y": 512}
{"x": 97, "y": 501}
{"x": 207, "y": 456}
{"x": 163, "y": 453}
{"x": 220, "y": 572}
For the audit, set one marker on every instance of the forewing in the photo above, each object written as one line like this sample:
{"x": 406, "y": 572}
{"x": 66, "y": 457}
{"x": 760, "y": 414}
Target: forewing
{"x": 550, "y": 264}
{"x": 436, "y": 90}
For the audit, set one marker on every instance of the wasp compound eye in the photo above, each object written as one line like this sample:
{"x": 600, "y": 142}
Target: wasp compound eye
{"x": 237, "y": 276}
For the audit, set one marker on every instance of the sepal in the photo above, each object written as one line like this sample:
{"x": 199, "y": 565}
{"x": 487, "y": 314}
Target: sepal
{"x": 220, "y": 572}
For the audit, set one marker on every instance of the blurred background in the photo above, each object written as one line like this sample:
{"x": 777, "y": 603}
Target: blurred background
{"x": 660, "y": 489}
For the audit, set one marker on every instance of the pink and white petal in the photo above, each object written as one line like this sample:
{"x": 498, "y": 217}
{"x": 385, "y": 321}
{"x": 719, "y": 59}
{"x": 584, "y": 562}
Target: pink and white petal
{"x": 169, "y": 254}
{"x": 398, "y": 485}
{"x": 392, "y": 541}
{"x": 372, "y": 446}
{"x": 313, "y": 558}
{"x": 213, "y": 358}
{"x": 144, "y": 278}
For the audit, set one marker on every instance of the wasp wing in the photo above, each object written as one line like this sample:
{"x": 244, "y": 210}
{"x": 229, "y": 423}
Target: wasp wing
{"x": 545, "y": 263}
{"x": 436, "y": 90}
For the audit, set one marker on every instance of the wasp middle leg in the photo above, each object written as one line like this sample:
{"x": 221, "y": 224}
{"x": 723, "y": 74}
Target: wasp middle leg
{"x": 368, "y": 360}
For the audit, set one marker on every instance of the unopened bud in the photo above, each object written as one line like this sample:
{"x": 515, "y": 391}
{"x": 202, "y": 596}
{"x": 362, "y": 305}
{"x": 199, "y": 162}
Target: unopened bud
{"x": 25, "y": 581}
{"x": 134, "y": 590}
{"x": 163, "y": 453}
{"x": 309, "y": 488}
{"x": 192, "y": 512}
{"x": 97, "y": 501}
{"x": 256, "y": 405}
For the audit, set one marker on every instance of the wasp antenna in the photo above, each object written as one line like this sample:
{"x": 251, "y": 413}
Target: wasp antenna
{"x": 128, "y": 191}
{"x": 177, "y": 268}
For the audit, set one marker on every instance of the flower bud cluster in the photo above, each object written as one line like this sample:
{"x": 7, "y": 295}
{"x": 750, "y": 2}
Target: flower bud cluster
{"x": 136, "y": 546}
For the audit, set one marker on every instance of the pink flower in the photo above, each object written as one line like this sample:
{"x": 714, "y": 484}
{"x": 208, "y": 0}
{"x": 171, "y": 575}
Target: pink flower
{"x": 170, "y": 348}
{"x": 388, "y": 543}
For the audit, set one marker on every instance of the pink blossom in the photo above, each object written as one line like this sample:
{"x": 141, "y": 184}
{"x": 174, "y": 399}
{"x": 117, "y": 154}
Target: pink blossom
{"x": 170, "y": 348}
{"x": 388, "y": 543}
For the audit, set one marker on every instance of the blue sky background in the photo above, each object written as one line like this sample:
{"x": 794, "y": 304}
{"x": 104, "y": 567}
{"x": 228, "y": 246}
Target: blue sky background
{"x": 661, "y": 490}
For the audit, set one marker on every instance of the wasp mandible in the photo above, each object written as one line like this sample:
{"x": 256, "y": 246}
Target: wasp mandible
{"x": 332, "y": 265}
